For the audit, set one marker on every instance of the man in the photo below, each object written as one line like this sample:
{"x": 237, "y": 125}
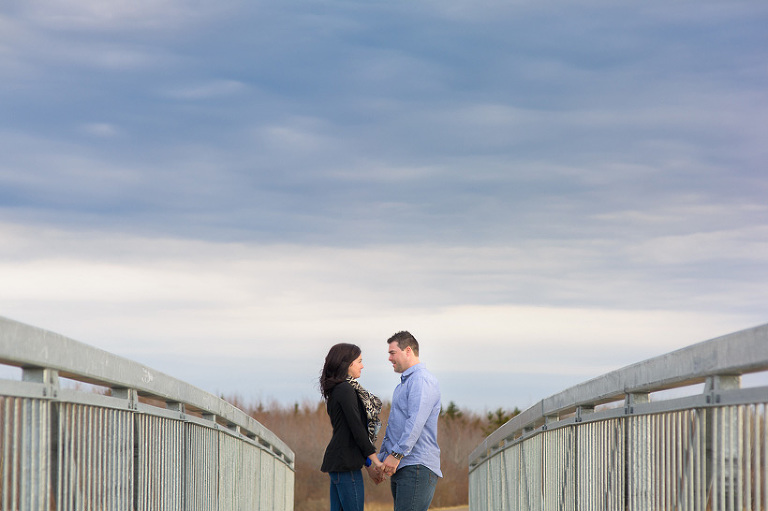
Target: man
{"x": 409, "y": 450}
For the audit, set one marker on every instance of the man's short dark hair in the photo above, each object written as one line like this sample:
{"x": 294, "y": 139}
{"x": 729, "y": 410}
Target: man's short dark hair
{"x": 404, "y": 340}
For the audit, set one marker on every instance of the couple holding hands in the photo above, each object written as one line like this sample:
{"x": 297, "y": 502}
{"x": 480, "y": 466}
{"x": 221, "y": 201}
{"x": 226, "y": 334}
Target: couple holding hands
{"x": 409, "y": 453}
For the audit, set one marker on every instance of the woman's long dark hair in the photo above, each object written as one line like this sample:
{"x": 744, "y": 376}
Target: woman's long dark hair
{"x": 336, "y": 366}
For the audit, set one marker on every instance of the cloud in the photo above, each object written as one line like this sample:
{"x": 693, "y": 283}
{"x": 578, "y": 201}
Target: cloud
{"x": 518, "y": 174}
{"x": 292, "y": 290}
{"x": 746, "y": 245}
{"x": 78, "y": 15}
{"x": 282, "y": 306}
{"x": 212, "y": 89}
{"x": 101, "y": 129}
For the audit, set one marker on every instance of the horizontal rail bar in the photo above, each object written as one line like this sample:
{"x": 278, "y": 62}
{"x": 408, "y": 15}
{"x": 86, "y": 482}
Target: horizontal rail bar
{"x": 730, "y": 355}
{"x": 32, "y": 348}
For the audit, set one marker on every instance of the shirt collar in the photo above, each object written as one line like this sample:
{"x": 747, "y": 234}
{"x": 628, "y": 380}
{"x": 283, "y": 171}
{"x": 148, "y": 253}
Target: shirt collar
{"x": 408, "y": 372}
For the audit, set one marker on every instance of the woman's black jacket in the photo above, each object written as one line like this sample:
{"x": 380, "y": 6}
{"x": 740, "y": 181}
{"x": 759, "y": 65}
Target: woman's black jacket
{"x": 349, "y": 445}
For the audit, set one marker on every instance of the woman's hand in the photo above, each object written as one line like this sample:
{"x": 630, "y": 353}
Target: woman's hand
{"x": 376, "y": 469}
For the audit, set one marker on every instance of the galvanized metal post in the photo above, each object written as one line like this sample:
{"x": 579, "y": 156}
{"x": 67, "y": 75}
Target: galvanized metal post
{"x": 689, "y": 453}
{"x": 77, "y": 449}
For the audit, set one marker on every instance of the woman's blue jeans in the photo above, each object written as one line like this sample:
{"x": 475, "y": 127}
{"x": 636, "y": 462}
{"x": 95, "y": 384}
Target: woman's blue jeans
{"x": 347, "y": 491}
{"x": 413, "y": 488}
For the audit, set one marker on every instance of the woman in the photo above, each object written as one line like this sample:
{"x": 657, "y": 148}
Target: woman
{"x": 354, "y": 414}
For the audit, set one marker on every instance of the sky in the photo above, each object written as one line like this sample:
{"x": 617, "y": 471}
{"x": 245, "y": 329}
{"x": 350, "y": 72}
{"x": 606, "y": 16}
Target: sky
{"x": 541, "y": 192}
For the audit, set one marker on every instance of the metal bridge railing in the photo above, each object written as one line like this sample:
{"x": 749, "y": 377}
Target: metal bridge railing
{"x": 700, "y": 452}
{"x": 152, "y": 443}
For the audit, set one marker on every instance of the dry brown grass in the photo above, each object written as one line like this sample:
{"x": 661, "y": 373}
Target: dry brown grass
{"x": 306, "y": 429}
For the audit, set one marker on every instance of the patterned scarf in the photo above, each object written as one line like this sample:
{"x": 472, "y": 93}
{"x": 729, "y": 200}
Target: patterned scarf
{"x": 372, "y": 406}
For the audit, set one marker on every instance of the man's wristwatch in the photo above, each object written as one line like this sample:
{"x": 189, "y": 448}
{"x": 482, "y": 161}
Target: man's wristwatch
{"x": 396, "y": 455}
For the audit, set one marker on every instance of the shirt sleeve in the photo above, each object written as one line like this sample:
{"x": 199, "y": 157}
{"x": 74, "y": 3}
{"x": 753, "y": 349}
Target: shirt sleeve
{"x": 350, "y": 409}
{"x": 422, "y": 396}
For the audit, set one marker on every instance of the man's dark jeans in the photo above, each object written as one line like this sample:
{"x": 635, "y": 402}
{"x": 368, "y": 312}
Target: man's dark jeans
{"x": 413, "y": 488}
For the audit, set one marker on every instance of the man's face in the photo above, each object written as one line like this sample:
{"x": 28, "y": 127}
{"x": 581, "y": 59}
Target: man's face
{"x": 398, "y": 358}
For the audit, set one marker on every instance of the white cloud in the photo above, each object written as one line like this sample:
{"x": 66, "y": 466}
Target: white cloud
{"x": 115, "y": 14}
{"x": 115, "y": 289}
{"x": 101, "y": 129}
{"x": 547, "y": 181}
{"x": 739, "y": 245}
{"x": 210, "y": 89}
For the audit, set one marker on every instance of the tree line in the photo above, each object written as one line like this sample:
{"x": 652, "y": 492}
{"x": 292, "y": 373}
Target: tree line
{"x": 305, "y": 428}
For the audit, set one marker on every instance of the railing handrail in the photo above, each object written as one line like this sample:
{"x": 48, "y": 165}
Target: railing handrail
{"x": 30, "y": 347}
{"x": 734, "y": 354}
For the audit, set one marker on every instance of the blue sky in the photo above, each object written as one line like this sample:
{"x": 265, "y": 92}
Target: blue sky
{"x": 540, "y": 191}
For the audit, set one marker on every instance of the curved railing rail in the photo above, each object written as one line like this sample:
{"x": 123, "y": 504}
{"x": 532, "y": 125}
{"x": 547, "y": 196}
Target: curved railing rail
{"x": 703, "y": 451}
{"x": 148, "y": 442}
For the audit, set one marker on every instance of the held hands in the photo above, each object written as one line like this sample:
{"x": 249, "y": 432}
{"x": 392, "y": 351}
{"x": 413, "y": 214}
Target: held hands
{"x": 390, "y": 465}
{"x": 376, "y": 470}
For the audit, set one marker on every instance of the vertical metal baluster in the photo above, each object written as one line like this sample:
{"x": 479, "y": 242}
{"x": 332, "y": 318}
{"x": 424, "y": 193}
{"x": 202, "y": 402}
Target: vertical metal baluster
{"x": 660, "y": 473}
{"x": 6, "y": 445}
{"x": 685, "y": 481}
{"x": 686, "y": 460}
{"x": 166, "y": 463}
{"x": 745, "y": 453}
{"x": 73, "y": 464}
{"x": 25, "y": 454}
{"x": 676, "y": 462}
{"x": 48, "y": 455}
{"x": 100, "y": 442}
{"x": 62, "y": 474}
{"x": 601, "y": 457}
{"x": 631, "y": 448}
{"x": 639, "y": 485}
{"x": 717, "y": 464}
{"x": 757, "y": 466}
{"x": 731, "y": 462}
{"x": 764, "y": 463}
{"x": 189, "y": 479}
{"x": 692, "y": 460}
{"x": 669, "y": 455}
{"x": 149, "y": 462}
{"x": 682, "y": 461}
{"x": 140, "y": 480}
{"x": 154, "y": 460}
{"x": 15, "y": 454}
{"x": 761, "y": 467}
{"x": 701, "y": 459}
{"x": 701, "y": 432}
{"x": 114, "y": 443}
{"x": 658, "y": 462}
{"x": 119, "y": 474}
{"x": 81, "y": 490}
{"x": 80, "y": 452}
{"x": 119, "y": 445}
{"x": 125, "y": 494}
{"x": 87, "y": 443}
{"x": 90, "y": 455}
{"x": 670, "y": 434}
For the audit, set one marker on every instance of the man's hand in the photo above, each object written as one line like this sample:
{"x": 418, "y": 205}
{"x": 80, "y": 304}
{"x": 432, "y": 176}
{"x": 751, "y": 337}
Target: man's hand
{"x": 390, "y": 465}
{"x": 376, "y": 470}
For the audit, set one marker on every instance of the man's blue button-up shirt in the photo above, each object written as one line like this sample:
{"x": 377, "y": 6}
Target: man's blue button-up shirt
{"x": 412, "y": 424}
